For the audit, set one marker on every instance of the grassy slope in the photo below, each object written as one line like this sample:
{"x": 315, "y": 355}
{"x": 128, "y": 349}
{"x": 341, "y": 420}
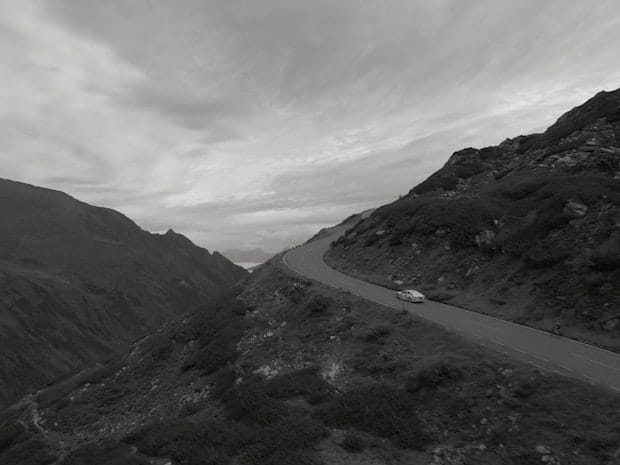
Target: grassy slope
{"x": 78, "y": 283}
{"x": 290, "y": 371}
{"x": 495, "y": 230}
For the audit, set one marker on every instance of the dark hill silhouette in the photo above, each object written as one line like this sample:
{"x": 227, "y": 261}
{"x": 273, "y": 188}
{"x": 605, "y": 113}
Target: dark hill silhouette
{"x": 79, "y": 282}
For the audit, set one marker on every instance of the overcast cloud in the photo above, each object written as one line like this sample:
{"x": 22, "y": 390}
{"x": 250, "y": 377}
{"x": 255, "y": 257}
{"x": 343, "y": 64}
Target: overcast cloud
{"x": 253, "y": 123}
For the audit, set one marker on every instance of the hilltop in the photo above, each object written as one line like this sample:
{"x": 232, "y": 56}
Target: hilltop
{"x": 528, "y": 230}
{"x": 78, "y": 283}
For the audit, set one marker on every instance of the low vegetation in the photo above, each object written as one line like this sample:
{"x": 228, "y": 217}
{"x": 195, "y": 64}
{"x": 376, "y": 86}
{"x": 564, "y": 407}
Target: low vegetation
{"x": 353, "y": 380}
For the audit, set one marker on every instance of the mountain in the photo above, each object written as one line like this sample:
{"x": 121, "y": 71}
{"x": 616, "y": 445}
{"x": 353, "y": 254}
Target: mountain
{"x": 285, "y": 371}
{"x": 247, "y": 255}
{"x": 528, "y": 230}
{"x": 78, "y": 283}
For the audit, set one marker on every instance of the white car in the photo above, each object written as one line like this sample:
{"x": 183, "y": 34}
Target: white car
{"x": 411, "y": 295}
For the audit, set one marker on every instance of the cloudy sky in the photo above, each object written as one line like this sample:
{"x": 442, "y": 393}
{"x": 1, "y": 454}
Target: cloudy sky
{"x": 253, "y": 123}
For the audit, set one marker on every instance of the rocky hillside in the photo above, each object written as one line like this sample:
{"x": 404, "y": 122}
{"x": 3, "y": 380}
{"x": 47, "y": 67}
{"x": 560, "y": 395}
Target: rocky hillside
{"x": 286, "y": 371}
{"x": 78, "y": 283}
{"x": 528, "y": 230}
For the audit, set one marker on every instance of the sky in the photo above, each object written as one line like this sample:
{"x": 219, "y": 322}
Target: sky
{"x": 254, "y": 123}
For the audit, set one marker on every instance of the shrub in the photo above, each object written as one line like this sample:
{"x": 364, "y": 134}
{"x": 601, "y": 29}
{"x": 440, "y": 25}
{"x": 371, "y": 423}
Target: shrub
{"x": 248, "y": 437}
{"x": 376, "y": 333}
{"x": 31, "y": 452}
{"x": 157, "y": 347}
{"x": 521, "y": 189}
{"x": 250, "y": 403}
{"x": 526, "y": 388}
{"x": 286, "y": 441}
{"x": 528, "y": 142}
{"x": 371, "y": 239}
{"x": 464, "y": 218}
{"x": 469, "y": 169}
{"x": 543, "y": 256}
{"x": 566, "y": 146}
{"x": 218, "y": 334}
{"x": 381, "y": 410}
{"x": 106, "y": 453}
{"x": 211, "y": 358}
{"x": 190, "y": 443}
{"x": 503, "y": 173}
{"x": 490, "y": 153}
{"x": 353, "y": 443}
{"x": 448, "y": 182}
{"x": 443, "y": 179}
{"x": 432, "y": 376}
{"x": 98, "y": 374}
{"x": 11, "y": 433}
{"x": 305, "y": 382}
{"x": 607, "y": 256}
{"x": 55, "y": 393}
{"x": 223, "y": 381}
{"x": 318, "y": 304}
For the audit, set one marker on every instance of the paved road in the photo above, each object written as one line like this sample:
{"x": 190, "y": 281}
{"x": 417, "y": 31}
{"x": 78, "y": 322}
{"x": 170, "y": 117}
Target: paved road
{"x": 545, "y": 351}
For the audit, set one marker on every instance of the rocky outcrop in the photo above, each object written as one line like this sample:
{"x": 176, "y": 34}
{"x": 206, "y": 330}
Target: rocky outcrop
{"x": 485, "y": 238}
{"x": 575, "y": 209}
{"x": 528, "y": 229}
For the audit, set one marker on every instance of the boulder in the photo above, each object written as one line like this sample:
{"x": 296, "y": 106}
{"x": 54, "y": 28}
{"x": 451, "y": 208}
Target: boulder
{"x": 484, "y": 238}
{"x": 572, "y": 159}
{"x": 575, "y": 209}
{"x": 566, "y": 160}
{"x": 471, "y": 271}
{"x": 610, "y": 150}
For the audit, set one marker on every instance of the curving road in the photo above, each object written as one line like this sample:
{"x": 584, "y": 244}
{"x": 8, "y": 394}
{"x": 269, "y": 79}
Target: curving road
{"x": 547, "y": 352}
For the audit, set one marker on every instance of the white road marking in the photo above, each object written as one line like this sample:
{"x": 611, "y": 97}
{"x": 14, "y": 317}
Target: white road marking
{"x": 542, "y": 359}
{"x": 595, "y": 361}
{"x": 565, "y": 367}
{"x": 519, "y": 350}
{"x": 590, "y": 378}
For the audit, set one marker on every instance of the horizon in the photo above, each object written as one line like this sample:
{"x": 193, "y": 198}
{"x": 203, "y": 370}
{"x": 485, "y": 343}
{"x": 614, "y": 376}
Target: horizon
{"x": 249, "y": 126}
